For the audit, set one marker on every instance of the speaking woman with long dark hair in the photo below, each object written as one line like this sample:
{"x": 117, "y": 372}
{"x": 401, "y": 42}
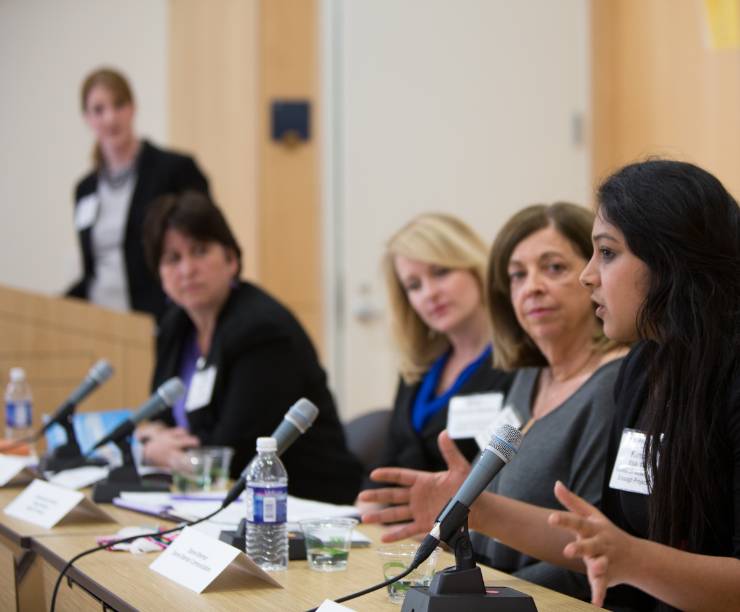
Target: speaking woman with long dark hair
{"x": 665, "y": 276}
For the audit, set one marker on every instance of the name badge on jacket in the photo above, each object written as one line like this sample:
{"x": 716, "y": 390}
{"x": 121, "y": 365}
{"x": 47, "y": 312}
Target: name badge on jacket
{"x": 628, "y": 473}
{"x": 86, "y": 211}
{"x": 468, "y": 415}
{"x": 201, "y": 389}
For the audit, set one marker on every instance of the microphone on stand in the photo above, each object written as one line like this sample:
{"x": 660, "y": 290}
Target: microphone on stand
{"x": 98, "y": 374}
{"x": 164, "y": 397}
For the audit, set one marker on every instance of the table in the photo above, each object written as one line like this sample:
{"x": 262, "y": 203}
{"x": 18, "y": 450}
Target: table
{"x": 123, "y": 581}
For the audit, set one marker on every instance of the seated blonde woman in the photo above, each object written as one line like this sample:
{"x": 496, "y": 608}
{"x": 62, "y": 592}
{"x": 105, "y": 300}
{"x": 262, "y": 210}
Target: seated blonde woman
{"x": 435, "y": 277}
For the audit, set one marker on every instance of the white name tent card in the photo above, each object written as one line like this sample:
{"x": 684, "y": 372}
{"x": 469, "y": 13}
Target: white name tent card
{"x": 469, "y": 415}
{"x": 79, "y": 478}
{"x": 14, "y": 469}
{"x": 195, "y": 560}
{"x": 333, "y": 606}
{"x": 45, "y": 504}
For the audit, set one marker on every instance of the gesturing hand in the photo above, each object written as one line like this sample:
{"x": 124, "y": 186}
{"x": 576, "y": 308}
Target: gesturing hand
{"x": 420, "y": 496}
{"x": 603, "y": 547}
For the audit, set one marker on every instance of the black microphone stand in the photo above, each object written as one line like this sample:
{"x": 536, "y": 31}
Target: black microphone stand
{"x": 462, "y": 588}
{"x": 124, "y": 478}
{"x": 67, "y": 456}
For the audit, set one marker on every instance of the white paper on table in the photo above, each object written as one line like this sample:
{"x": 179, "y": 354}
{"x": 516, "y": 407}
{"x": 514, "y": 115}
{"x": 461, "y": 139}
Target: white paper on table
{"x": 45, "y": 504}
{"x": 79, "y": 478}
{"x": 194, "y": 560}
{"x": 14, "y": 468}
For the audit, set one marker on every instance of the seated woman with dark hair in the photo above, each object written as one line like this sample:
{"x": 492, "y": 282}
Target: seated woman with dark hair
{"x": 251, "y": 358}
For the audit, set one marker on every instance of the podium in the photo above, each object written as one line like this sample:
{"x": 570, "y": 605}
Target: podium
{"x": 57, "y": 339}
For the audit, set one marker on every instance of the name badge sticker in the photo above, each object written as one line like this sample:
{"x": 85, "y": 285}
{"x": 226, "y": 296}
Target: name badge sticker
{"x": 628, "y": 473}
{"x": 201, "y": 389}
{"x": 468, "y": 415}
{"x": 86, "y": 211}
{"x": 505, "y": 416}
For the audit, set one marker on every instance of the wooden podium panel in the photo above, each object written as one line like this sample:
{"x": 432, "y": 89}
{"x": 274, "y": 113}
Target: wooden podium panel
{"x": 56, "y": 340}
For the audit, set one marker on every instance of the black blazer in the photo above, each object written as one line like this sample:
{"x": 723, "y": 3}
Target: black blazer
{"x": 405, "y": 447}
{"x": 264, "y": 363}
{"x": 158, "y": 172}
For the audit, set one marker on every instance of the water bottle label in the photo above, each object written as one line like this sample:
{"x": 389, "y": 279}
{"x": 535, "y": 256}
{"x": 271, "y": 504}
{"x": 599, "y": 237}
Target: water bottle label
{"x": 17, "y": 414}
{"x": 267, "y": 504}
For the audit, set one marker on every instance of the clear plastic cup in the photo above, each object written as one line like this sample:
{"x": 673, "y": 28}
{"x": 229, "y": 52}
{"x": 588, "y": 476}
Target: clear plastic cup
{"x": 202, "y": 469}
{"x": 395, "y": 558}
{"x": 328, "y": 542}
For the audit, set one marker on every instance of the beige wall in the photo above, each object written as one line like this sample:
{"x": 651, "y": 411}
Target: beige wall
{"x": 46, "y": 48}
{"x": 659, "y": 89}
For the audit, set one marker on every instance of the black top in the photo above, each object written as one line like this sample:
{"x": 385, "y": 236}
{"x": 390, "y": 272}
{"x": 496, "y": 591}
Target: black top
{"x": 264, "y": 363}
{"x": 629, "y": 511}
{"x": 405, "y": 447}
{"x": 158, "y": 172}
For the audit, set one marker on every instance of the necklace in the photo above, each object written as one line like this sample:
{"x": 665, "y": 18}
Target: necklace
{"x": 118, "y": 180}
{"x": 577, "y": 372}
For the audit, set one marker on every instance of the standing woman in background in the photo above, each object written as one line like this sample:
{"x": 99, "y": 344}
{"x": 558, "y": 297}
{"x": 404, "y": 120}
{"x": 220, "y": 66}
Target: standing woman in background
{"x": 112, "y": 200}
{"x": 434, "y": 269}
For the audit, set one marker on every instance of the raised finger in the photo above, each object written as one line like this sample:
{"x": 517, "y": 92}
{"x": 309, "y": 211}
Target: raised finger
{"x": 400, "y": 532}
{"x": 571, "y": 501}
{"x": 393, "y": 514}
{"x": 401, "y": 476}
{"x": 571, "y": 522}
{"x": 584, "y": 547}
{"x": 388, "y": 495}
{"x": 599, "y": 585}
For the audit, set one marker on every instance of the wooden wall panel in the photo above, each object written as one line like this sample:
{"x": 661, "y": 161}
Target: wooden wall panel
{"x": 213, "y": 105}
{"x": 660, "y": 89}
{"x": 56, "y": 340}
{"x": 290, "y": 262}
{"x": 229, "y": 60}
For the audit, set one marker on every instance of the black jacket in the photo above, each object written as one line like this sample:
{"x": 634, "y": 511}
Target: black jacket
{"x": 264, "y": 363}
{"x": 158, "y": 172}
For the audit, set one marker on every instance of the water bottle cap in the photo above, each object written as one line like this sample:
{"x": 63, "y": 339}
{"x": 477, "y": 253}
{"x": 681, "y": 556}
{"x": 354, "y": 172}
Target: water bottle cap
{"x": 17, "y": 374}
{"x": 266, "y": 444}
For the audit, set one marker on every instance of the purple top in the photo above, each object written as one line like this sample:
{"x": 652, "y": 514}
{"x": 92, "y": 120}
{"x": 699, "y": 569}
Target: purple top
{"x": 188, "y": 366}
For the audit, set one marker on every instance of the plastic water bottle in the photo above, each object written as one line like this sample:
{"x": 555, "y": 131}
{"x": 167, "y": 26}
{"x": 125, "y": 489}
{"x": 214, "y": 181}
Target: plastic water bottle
{"x": 267, "y": 508}
{"x": 18, "y": 412}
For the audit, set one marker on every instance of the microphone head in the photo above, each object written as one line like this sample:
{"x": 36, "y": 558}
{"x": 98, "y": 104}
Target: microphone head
{"x": 171, "y": 390}
{"x": 302, "y": 414}
{"x": 505, "y": 442}
{"x": 101, "y": 371}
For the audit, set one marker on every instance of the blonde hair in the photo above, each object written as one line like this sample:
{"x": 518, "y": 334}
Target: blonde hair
{"x": 512, "y": 347}
{"x": 117, "y": 84}
{"x": 432, "y": 238}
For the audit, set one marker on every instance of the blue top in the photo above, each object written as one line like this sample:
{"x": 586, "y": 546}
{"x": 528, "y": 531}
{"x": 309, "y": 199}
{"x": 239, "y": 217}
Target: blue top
{"x": 188, "y": 366}
{"x": 425, "y": 403}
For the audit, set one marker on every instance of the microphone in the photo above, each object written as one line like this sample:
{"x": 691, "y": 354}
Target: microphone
{"x": 296, "y": 421}
{"x": 502, "y": 447}
{"x": 164, "y": 397}
{"x": 98, "y": 374}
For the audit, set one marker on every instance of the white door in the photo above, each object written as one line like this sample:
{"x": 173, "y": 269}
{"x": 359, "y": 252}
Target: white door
{"x": 473, "y": 107}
